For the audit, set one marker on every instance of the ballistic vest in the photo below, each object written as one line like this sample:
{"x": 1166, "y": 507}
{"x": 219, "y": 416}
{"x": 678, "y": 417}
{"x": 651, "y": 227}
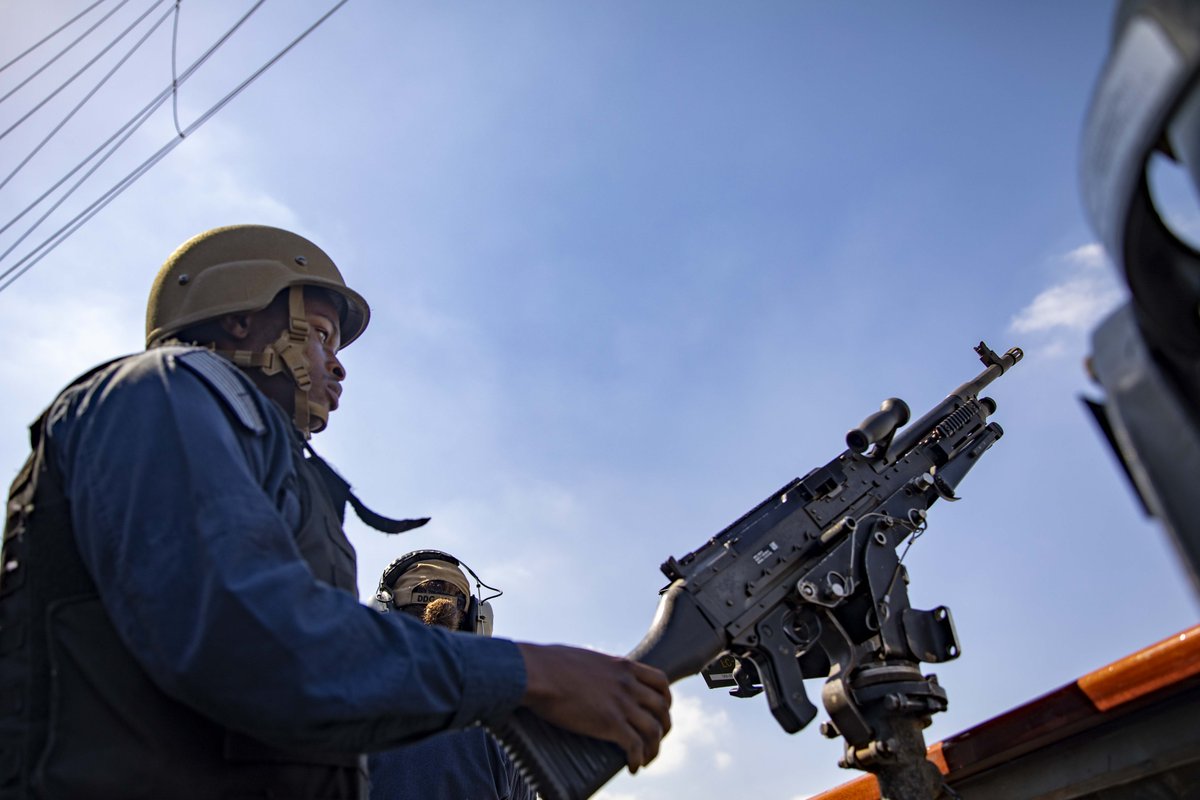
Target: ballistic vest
{"x": 79, "y": 718}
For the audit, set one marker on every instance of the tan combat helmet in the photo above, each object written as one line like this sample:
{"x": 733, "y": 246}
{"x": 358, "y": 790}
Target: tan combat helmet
{"x": 241, "y": 268}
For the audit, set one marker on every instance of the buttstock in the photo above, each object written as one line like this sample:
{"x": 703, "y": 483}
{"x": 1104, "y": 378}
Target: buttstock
{"x": 558, "y": 764}
{"x": 561, "y": 765}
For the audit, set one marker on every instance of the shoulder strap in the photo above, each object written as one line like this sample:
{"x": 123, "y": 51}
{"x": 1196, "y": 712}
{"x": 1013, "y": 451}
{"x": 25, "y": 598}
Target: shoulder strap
{"x": 339, "y": 490}
{"x": 226, "y": 381}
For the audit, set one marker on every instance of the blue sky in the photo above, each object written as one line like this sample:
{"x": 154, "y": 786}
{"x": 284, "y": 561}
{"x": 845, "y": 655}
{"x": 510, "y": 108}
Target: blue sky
{"x": 633, "y": 266}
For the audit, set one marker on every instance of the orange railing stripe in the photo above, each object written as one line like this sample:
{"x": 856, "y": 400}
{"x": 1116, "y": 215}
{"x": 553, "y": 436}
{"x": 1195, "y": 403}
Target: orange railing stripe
{"x": 1162, "y": 664}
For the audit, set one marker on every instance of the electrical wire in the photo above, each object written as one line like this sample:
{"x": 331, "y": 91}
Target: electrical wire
{"x": 121, "y": 136}
{"x": 24, "y": 264}
{"x": 137, "y": 120}
{"x": 174, "y": 77}
{"x": 62, "y": 86}
{"x": 51, "y": 35}
{"x": 14, "y": 272}
{"x": 62, "y": 52}
{"x": 10, "y": 275}
{"x": 46, "y": 140}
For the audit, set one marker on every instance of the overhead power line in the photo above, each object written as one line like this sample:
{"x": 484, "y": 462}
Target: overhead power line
{"x": 62, "y": 52}
{"x": 121, "y": 135}
{"x": 9, "y": 275}
{"x": 51, "y": 35}
{"x": 89, "y": 95}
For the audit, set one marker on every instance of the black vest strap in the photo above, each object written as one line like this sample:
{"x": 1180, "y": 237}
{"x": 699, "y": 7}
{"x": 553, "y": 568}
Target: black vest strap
{"x": 340, "y": 493}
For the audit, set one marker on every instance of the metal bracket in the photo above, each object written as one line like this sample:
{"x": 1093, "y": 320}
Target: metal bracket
{"x": 930, "y": 634}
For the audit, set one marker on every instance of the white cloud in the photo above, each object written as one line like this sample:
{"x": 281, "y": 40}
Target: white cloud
{"x": 695, "y": 733}
{"x": 690, "y": 749}
{"x": 1078, "y": 301}
{"x": 203, "y": 170}
{"x": 603, "y": 795}
{"x": 65, "y": 335}
{"x": 61, "y": 337}
{"x": 1076, "y": 304}
{"x": 1091, "y": 256}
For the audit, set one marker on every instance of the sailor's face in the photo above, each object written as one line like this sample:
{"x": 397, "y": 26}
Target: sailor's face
{"x": 324, "y": 340}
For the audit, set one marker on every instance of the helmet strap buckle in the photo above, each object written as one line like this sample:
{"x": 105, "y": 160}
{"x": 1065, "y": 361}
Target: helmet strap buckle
{"x": 265, "y": 360}
{"x": 287, "y": 354}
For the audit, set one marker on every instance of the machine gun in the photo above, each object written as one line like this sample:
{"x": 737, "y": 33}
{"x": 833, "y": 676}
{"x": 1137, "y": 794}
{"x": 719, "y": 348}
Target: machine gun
{"x": 808, "y": 584}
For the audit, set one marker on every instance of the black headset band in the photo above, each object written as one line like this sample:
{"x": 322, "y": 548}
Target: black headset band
{"x": 405, "y": 562}
{"x": 476, "y": 603}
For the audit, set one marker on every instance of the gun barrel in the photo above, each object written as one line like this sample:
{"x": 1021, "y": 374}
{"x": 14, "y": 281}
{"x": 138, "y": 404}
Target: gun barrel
{"x": 996, "y": 366}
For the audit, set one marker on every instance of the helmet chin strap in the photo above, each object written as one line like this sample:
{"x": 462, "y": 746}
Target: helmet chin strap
{"x": 287, "y": 353}
{"x": 318, "y": 414}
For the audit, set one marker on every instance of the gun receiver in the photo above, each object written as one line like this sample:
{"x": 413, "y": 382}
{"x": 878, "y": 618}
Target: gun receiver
{"x": 808, "y": 584}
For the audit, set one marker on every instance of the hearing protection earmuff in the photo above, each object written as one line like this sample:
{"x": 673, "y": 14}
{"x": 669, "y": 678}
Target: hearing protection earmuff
{"x": 478, "y": 617}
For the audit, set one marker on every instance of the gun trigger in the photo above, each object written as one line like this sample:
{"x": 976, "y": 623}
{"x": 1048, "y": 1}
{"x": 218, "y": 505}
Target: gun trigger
{"x": 746, "y": 678}
{"x": 945, "y": 490}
